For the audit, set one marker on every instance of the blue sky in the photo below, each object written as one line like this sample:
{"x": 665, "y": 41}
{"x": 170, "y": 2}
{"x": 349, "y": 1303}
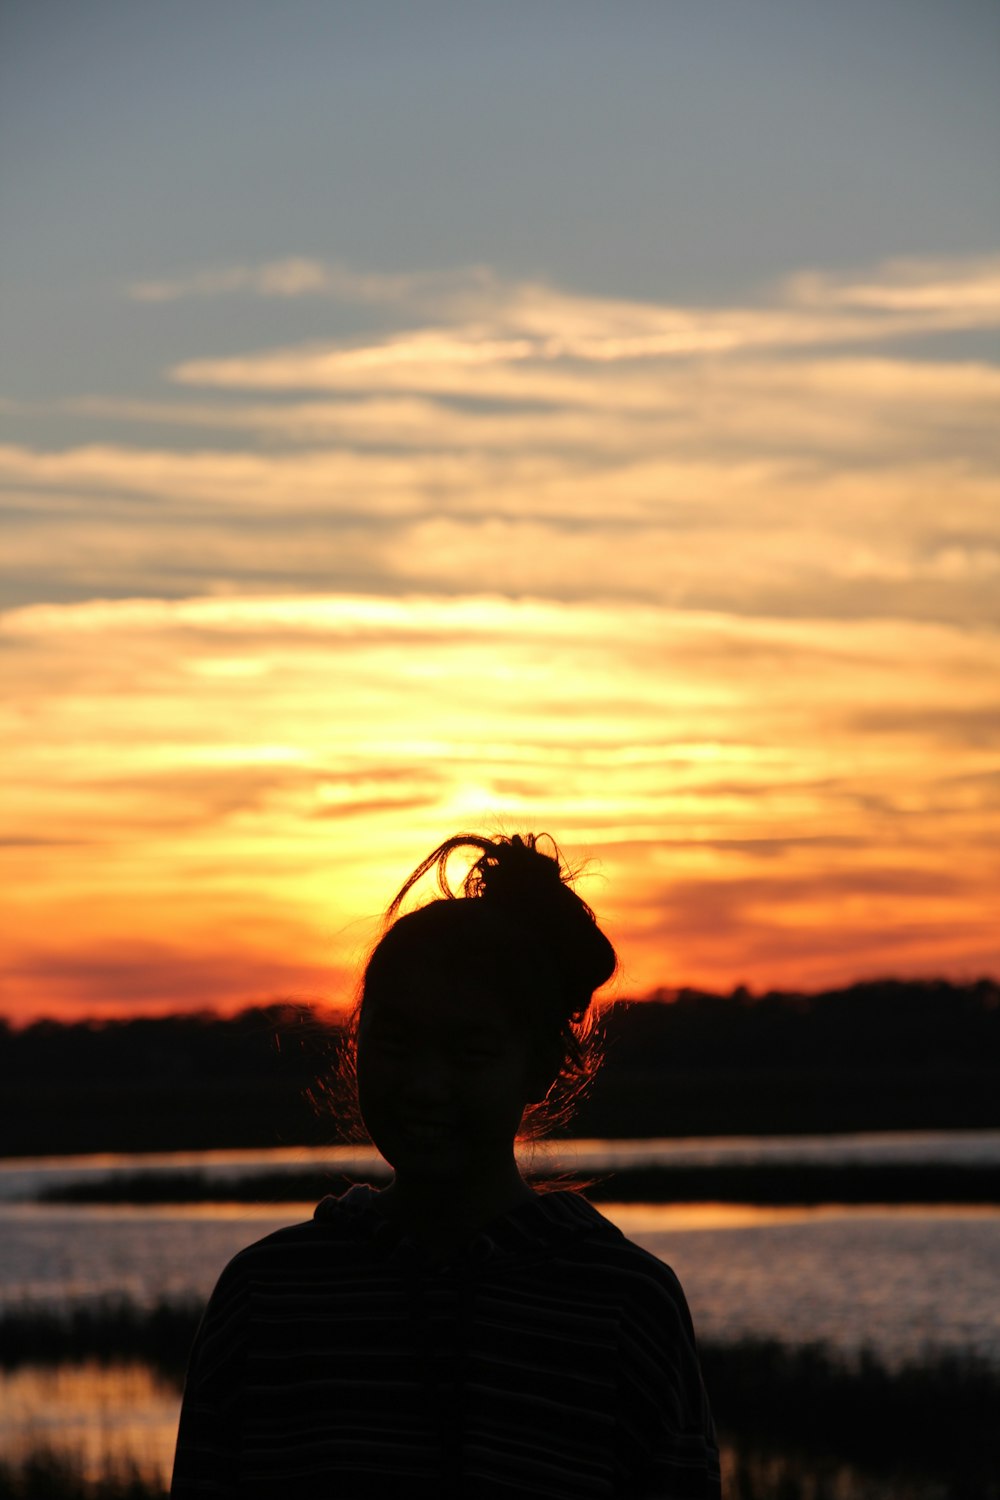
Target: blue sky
{"x": 687, "y": 152}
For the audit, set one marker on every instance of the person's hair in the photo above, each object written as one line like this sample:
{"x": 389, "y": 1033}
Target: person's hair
{"x": 517, "y": 932}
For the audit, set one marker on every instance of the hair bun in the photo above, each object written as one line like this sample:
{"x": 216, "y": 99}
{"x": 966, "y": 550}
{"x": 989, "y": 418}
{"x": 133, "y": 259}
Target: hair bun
{"x": 515, "y": 870}
{"x": 531, "y": 889}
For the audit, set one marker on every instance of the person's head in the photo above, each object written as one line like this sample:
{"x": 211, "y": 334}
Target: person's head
{"x": 473, "y": 1014}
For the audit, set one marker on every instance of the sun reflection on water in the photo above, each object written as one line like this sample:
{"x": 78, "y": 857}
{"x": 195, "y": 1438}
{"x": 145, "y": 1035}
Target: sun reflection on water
{"x": 100, "y": 1416}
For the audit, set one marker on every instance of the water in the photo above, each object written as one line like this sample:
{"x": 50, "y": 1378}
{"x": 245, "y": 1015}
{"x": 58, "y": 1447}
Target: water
{"x": 98, "y": 1414}
{"x": 901, "y": 1280}
{"x": 904, "y": 1282}
{"x": 26, "y": 1177}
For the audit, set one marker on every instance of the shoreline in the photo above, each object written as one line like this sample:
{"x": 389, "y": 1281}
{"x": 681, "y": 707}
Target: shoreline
{"x": 766, "y": 1185}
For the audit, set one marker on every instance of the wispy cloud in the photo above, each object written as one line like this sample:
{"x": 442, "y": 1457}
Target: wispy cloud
{"x": 568, "y": 325}
{"x": 85, "y": 978}
{"x": 960, "y": 289}
{"x": 491, "y": 322}
{"x": 822, "y": 411}
{"x": 300, "y": 276}
{"x": 713, "y": 593}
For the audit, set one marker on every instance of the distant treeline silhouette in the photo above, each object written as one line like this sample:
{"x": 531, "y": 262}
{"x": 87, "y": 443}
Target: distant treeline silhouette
{"x": 885, "y": 1054}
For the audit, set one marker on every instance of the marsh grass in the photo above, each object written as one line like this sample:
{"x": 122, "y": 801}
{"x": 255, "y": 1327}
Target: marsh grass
{"x": 799, "y": 1183}
{"x": 108, "y": 1331}
{"x": 754, "y": 1473}
{"x": 853, "y": 1423}
{"x": 47, "y": 1475}
{"x": 797, "y": 1423}
{"x": 749, "y": 1473}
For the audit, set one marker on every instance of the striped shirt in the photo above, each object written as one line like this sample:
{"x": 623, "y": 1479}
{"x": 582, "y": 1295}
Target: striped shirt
{"x": 550, "y": 1358}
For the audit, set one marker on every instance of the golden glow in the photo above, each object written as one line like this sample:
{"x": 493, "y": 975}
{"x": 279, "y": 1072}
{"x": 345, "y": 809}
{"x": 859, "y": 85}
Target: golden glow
{"x": 764, "y": 799}
{"x": 638, "y": 1219}
{"x": 101, "y": 1417}
{"x": 725, "y": 625}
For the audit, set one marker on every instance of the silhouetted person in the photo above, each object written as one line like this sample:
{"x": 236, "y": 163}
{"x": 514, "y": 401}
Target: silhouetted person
{"x": 457, "y": 1334}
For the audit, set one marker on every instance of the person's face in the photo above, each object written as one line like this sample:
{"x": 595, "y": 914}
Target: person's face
{"x": 443, "y": 1079}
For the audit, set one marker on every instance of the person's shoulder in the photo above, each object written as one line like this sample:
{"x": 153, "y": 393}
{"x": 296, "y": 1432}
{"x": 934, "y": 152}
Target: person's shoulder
{"x": 289, "y": 1237}
{"x": 591, "y": 1227}
{"x": 335, "y": 1221}
{"x": 268, "y": 1255}
{"x": 602, "y": 1245}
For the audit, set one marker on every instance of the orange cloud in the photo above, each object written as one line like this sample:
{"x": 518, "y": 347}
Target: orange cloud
{"x": 728, "y": 624}
{"x": 253, "y": 776}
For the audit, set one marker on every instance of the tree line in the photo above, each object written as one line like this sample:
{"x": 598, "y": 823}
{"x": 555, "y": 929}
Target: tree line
{"x": 885, "y": 1054}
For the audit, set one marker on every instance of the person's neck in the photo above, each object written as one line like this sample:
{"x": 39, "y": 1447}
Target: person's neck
{"x": 443, "y": 1214}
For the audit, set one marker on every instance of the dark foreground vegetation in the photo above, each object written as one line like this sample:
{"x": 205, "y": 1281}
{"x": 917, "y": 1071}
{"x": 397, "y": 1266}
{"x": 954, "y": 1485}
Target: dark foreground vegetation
{"x": 749, "y": 1473}
{"x": 882, "y": 1055}
{"x": 797, "y": 1423}
{"x": 768, "y": 1184}
{"x": 45, "y": 1475}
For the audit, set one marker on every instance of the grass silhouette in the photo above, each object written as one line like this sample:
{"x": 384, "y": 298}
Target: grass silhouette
{"x": 797, "y": 1423}
{"x": 778, "y": 1183}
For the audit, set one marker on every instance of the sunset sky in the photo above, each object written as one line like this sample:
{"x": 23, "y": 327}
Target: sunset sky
{"x": 556, "y": 415}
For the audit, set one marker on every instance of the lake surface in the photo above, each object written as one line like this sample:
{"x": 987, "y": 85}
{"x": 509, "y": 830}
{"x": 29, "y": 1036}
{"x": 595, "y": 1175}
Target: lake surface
{"x": 25, "y": 1177}
{"x": 901, "y": 1280}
